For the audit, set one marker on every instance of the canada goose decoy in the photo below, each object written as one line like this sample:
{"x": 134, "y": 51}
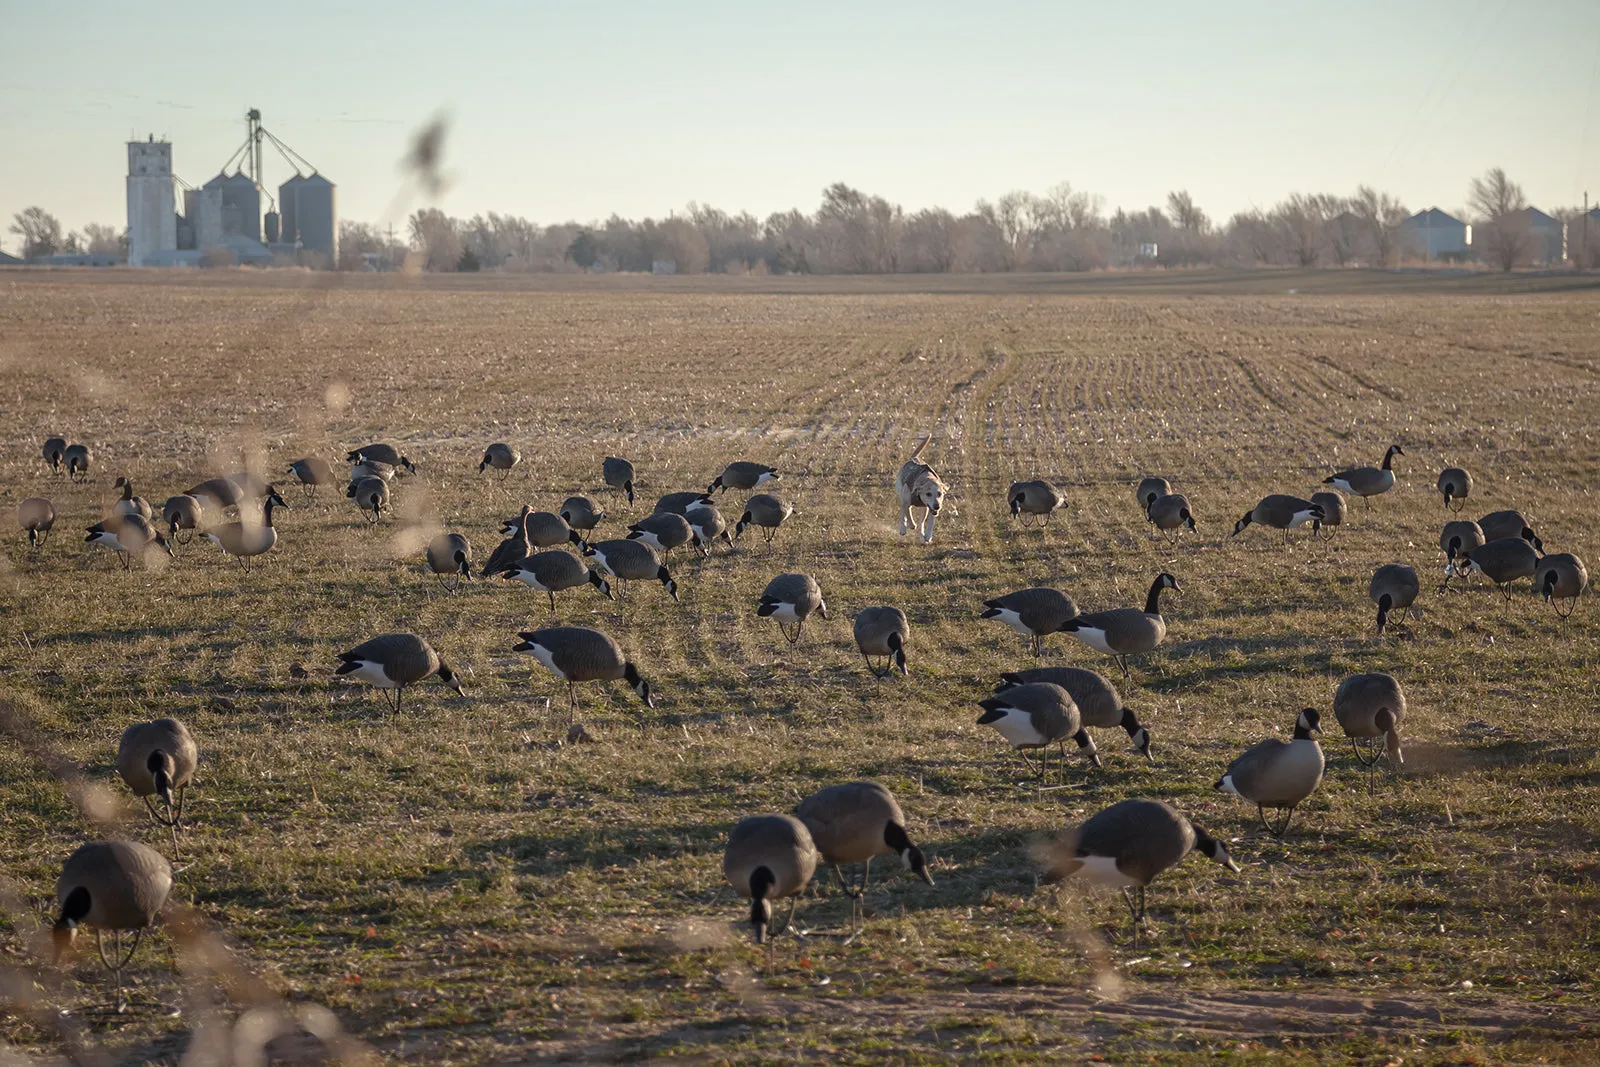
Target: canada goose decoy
{"x": 1038, "y": 715}
{"x": 371, "y": 468}
{"x": 1124, "y": 632}
{"x": 128, "y": 504}
{"x": 581, "y": 513}
{"x": 501, "y": 456}
{"x": 112, "y": 886}
{"x": 578, "y": 654}
{"x": 243, "y": 539}
{"x": 1498, "y": 525}
{"x": 854, "y": 822}
{"x": 766, "y": 511}
{"x": 381, "y": 453}
{"x": 546, "y": 529}
{"x": 370, "y": 494}
{"x": 1036, "y": 498}
{"x": 1033, "y": 613}
{"x": 36, "y": 515}
{"x": 450, "y": 553}
{"x": 394, "y": 661}
{"x": 157, "y": 759}
{"x": 516, "y": 546}
{"x": 1561, "y": 576}
{"x": 791, "y": 599}
{"x": 1149, "y": 490}
{"x": 1461, "y": 535}
{"x": 217, "y": 494}
{"x": 1278, "y": 774}
{"x": 708, "y": 525}
{"x": 680, "y": 503}
{"x": 1394, "y": 586}
{"x": 1171, "y": 514}
{"x": 1455, "y": 485}
{"x": 76, "y": 457}
{"x": 1369, "y": 707}
{"x": 54, "y": 450}
{"x": 1281, "y": 512}
{"x": 663, "y": 531}
{"x": 883, "y": 631}
{"x": 1126, "y": 846}
{"x": 1334, "y": 510}
{"x": 313, "y": 471}
{"x": 743, "y": 475}
{"x": 1099, "y": 703}
{"x": 182, "y": 512}
{"x": 128, "y": 536}
{"x": 631, "y": 561}
{"x": 618, "y": 474}
{"x": 1367, "y": 482}
{"x": 554, "y": 571}
{"x": 769, "y": 857}
{"x": 1502, "y": 562}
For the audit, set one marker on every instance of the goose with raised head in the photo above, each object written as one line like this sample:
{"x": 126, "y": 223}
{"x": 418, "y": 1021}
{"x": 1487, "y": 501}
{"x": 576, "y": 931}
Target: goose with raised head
{"x": 516, "y": 546}
{"x": 1278, "y": 774}
{"x": 1034, "y": 613}
{"x": 1367, "y": 482}
{"x": 394, "y": 661}
{"x": 1124, "y": 632}
{"x": 242, "y": 539}
{"x": 127, "y": 504}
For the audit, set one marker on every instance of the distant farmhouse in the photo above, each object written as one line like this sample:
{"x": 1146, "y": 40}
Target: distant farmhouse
{"x": 1435, "y": 234}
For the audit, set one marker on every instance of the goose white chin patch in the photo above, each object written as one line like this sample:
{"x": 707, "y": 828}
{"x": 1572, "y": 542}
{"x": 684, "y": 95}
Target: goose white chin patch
{"x": 1102, "y": 870}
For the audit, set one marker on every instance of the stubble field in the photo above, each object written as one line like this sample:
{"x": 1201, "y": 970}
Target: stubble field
{"x": 459, "y": 886}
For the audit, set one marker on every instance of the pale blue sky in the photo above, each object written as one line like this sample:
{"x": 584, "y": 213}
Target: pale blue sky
{"x": 574, "y": 111}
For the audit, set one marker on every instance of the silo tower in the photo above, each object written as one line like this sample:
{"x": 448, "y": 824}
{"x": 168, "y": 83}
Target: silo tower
{"x": 152, "y": 225}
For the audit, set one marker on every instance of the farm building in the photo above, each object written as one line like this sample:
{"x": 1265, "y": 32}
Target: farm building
{"x": 1435, "y": 234}
{"x": 8, "y": 260}
{"x": 1548, "y": 238}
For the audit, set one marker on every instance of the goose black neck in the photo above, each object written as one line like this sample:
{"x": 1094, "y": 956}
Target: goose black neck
{"x": 75, "y": 908}
{"x": 1388, "y": 457}
{"x": 894, "y": 835}
{"x": 1152, "y": 603}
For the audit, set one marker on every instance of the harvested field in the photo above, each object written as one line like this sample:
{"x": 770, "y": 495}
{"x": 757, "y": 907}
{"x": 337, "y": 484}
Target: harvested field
{"x": 459, "y": 886}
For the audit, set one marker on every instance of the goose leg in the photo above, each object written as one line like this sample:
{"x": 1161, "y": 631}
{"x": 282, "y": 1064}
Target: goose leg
{"x": 572, "y": 703}
{"x": 551, "y": 594}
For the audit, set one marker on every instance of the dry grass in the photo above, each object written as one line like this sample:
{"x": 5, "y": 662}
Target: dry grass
{"x": 460, "y": 888}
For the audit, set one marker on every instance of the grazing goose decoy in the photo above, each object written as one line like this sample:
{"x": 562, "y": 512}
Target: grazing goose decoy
{"x": 578, "y": 654}
{"x": 1038, "y": 715}
{"x": 1368, "y": 707}
{"x": 501, "y": 456}
{"x": 313, "y": 471}
{"x": 1367, "y": 482}
{"x": 708, "y": 525}
{"x": 1459, "y": 536}
{"x": 54, "y": 450}
{"x": 451, "y": 553}
{"x": 516, "y": 546}
{"x": 769, "y": 857}
{"x": 663, "y": 531}
{"x": 1278, "y": 774}
{"x": 1033, "y": 613}
{"x": 371, "y": 468}
{"x": 631, "y": 561}
{"x": 1281, "y": 512}
{"x": 1394, "y": 586}
{"x": 217, "y": 494}
{"x": 1124, "y": 632}
{"x": 36, "y": 515}
{"x": 618, "y": 474}
{"x": 1333, "y": 510}
{"x": 743, "y": 475}
{"x": 581, "y": 513}
{"x": 791, "y": 599}
{"x": 182, "y": 512}
{"x": 1099, "y": 703}
{"x": 370, "y": 494}
{"x": 379, "y": 453}
{"x": 1149, "y": 490}
{"x": 766, "y": 511}
{"x": 1561, "y": 576}
{"x": 112, "y": 886}
{"x": 1171, "y": 513}
{"x": 128, "y": 504}
{"x": 854, "y": 822}
{"x": 883, "y": 631}
{"x": 546, "y": 529}
{"x": 1455, "y": 485}
{"x": 1035, "y": 498}
{"x": 1499, "y": 525}
{"x": 1502, "y": 562}
{"x": 128, "y": 536}
{"x": 241, "y": 540}
{"x": 1126, "y": 846}
{"x": 157, "y": 759}
{"x": 76, "y": 458}
{"x": 394, "y": 661}
{"x": 680, "y": 503}
{"x": 553, "y": 571}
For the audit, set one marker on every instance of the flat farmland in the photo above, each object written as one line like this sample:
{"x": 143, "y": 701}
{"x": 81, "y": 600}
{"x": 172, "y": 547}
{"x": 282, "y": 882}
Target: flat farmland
{"x": 458, "y": 885}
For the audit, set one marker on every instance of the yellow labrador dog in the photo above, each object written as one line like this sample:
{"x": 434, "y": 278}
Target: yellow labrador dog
{"x": 919, "y": 487}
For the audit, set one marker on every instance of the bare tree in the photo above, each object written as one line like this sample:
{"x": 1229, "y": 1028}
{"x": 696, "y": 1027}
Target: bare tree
{"x": 437, "y": 237}
{"x": 933, "y": 241}
{"x": 40, "y": 232}
{"x": 862, "y": 233}
{"x": 1382, "y": 215}
{"x": 1304, "y": 219}
{"x": 1502, "y": 213}
{"x": 102, "y": 239}
{"x": 1185, "y": 213}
